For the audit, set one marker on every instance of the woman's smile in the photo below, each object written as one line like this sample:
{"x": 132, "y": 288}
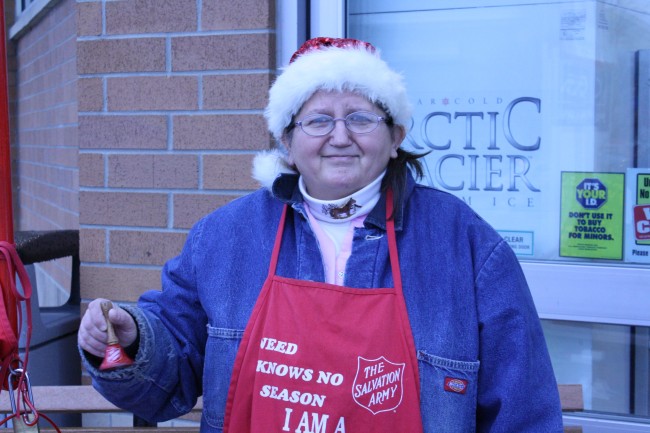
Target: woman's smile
{"x": 342, "y": 158}
{"x": 341, "y": 162}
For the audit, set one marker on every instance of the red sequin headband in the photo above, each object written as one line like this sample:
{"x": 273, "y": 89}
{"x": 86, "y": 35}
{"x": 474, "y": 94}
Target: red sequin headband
{"x": 323, "y": 42}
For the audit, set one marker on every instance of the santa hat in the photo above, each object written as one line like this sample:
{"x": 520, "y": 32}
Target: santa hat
{"x": 335, "y": 64}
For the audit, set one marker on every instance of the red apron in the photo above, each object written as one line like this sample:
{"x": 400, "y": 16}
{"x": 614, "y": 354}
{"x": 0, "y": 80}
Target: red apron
{"x": 321, "y": 358}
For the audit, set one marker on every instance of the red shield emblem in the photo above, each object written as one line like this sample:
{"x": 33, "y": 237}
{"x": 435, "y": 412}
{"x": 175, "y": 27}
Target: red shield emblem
{"x": 378, "y": 385}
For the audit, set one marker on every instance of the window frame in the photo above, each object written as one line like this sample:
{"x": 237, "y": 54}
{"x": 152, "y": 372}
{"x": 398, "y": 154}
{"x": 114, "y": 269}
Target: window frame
{"x": 27, "y": 16}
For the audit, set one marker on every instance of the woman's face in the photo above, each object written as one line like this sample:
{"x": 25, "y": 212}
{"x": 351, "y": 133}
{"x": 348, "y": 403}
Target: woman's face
{"x": 342, "y": 162}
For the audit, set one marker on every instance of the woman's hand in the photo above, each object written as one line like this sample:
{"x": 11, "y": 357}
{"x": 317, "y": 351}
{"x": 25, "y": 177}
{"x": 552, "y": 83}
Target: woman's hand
{"x": 92, "y": 336}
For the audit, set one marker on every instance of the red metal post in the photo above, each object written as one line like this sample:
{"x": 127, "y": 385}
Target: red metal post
{"x": 6, "y": 208}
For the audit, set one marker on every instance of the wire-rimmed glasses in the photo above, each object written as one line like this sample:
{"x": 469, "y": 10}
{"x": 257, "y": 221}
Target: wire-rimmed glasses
{"x": 359, "y": 122}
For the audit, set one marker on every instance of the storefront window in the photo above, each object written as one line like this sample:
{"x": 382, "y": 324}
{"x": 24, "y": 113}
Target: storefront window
{"x": 529, "y": 113}
{"x": 609, "y": 361}
{"x": 537, "y": 114}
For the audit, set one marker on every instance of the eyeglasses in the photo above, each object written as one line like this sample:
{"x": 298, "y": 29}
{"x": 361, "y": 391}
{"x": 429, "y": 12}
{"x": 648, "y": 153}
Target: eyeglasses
{"x": 359, "y": 122}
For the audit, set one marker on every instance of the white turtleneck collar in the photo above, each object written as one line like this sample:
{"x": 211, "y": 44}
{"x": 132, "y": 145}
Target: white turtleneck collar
{"x": 344, "y": 209}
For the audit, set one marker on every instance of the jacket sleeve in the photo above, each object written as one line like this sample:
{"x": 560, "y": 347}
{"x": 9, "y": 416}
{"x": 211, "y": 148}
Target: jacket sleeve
{"x": 172, "y": 333}
{"x": 517, "y": 387}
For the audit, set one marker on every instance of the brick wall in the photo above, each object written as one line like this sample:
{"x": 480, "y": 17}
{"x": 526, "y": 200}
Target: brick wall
{"x": 44, "y": 136}
{"x": 171, "y": 95}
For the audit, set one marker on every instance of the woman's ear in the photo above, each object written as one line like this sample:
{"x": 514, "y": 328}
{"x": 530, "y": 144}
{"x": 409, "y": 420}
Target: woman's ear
{"x": 286, "y": 142}
{"x": 399, "y": 133}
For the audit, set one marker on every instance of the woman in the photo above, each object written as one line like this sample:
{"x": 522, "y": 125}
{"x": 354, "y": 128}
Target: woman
{"x": 343, "y": 297}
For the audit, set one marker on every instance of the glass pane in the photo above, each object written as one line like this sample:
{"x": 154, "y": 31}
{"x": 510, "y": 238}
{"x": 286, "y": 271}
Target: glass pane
{"x": 610, "y": 361}
{"x": 534, "y": 113}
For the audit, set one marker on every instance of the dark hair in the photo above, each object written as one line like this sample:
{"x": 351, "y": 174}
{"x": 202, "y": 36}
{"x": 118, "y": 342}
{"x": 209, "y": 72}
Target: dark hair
{"x": 396, "y": 174}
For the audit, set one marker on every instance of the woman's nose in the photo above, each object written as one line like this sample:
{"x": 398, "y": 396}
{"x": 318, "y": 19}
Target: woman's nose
{"x": 340, "y": 135}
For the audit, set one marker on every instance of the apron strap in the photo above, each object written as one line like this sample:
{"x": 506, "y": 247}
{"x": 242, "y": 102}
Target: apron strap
{"x": 392, "y": 242}
{"x": 278, "y": 241}
{"x": 390, "y": 230}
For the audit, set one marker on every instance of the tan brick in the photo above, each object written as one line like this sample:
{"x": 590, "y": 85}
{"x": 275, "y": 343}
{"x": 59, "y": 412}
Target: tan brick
{"x": 91, "y": 169}
{"x": 234, "y": 92}
{"x": 176, "y": 171}
{"x": 134, "y": 171}
{"x": 50, "y": 177}
{"x": 150, "y": 16}
{"x": 122, "y": 132}
{"x": 152, "y": 93}
{"x": 92, "y": 245}
{"x": 117, "y": 283}
{"x": 237, "y": 131}
{"x": 228, "y": 172}
{"x": 144, "y": 248}
{"x": 121, "y": 55}
{"x": 241, "y": 14}
{"x": 200, "y": 53}
{"x": 90, "y": 93}
{"x": 123, "y": 209}
{"x": 89, "y": 19}
{"x": 189, "y": 208}
{"x": 55, "y": 154}
{"x": 153, "y": 171}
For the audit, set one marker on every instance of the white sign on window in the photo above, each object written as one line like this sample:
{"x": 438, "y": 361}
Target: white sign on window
{"x": 508, "y": 95}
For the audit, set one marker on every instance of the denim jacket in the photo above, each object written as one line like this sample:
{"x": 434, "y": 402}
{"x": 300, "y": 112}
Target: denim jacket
{"x": 470, "y": 310}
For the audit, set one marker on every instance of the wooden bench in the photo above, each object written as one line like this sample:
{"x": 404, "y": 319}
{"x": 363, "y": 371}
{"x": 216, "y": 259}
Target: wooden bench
{"x": 84, "y": 399}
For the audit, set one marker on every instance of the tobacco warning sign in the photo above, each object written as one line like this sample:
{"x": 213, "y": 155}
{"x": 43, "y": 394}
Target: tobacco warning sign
{"x": 592, "y": 215}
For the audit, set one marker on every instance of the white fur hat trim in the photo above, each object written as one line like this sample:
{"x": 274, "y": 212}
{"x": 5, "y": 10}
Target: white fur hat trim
{"x": 268, "y": 165}
{"x": 336, "y": 69}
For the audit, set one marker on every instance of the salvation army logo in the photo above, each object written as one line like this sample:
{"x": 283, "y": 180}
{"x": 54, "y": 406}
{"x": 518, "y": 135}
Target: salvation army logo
{"x": 378, "y": 384}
